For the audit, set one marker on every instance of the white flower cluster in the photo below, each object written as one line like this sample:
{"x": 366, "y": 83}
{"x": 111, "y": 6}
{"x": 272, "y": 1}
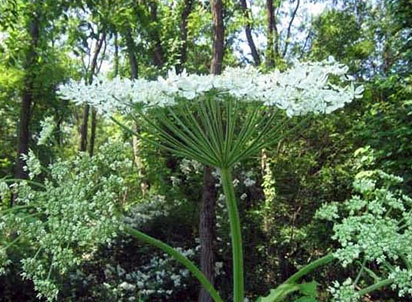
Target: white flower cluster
{"x": 402, "y": 281}
{"x": 4, "y": 191}
{"x": 248, "y": 179}
{"x": 142, "y": 277}
{"x": 344, "y": 292}
{"x": 188, "y": 167}
{"x": 64, "y": 219}
{"x": 147, "y": 210}
{"x": 328, "y": 212}
{"x": 159, "y": 278}
{"x": 375, "y": 226}
{"x": 47, "y": 127}
{"x": 32, "y": 164}
{"x": 4, "y": 261}
{"x": 306, "y": 87}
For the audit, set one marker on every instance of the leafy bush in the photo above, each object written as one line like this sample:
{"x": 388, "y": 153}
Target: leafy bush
{"x": 64, "y": 219}
{"x": 373, "y": 229}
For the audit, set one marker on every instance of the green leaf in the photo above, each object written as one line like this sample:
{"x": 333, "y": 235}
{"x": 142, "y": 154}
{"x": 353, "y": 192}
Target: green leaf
{"x": 309, "y": 288}
{"x": 279, "y": 294}
{"x": 306, "y": 299}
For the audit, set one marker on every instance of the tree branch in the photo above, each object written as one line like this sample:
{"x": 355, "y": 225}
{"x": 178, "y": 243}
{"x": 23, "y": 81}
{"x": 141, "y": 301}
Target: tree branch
{"x": 290, "y": 27}
{"x": 248, "y": 32}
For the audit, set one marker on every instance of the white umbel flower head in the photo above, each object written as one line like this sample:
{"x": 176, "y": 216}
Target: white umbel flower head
{"x": 304, "y": 88}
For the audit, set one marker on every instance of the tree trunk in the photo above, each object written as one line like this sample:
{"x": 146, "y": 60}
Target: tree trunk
{"x": 134, "y": 72}
{"x": 287, "y": 42}
{"x": 270, "y": 53}
{"x": 93, "y": 131}
{"x": 116, "y": 55}
{"x": 218, "y": 36}
{"x": 83, "y": 129}
{"x": 131, "y": 51}
{"x": 188, "y": 5}
{"x": 207, "y": 231}
{"x": 85, "y": 120}
{"x": 158, "y": 56}
{"x": 27, "y": 98}
{"x": 248, "y": 32}
{"x": 207, "y": 214}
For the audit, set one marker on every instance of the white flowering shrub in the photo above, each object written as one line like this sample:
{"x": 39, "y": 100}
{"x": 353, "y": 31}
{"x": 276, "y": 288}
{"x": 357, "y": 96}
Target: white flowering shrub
{"x": 123, "y": 270}
{"x": 145, "y": 211}
{"x": 64, "y": 219}
{"x": 160, "y": 277}
{"x": 373, "y": 227}
{"x": 140, "y": 278}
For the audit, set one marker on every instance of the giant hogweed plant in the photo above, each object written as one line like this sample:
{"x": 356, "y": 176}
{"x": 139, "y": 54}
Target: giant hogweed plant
{"x": 221, "y": 120}
{"x": 218, "y": 121}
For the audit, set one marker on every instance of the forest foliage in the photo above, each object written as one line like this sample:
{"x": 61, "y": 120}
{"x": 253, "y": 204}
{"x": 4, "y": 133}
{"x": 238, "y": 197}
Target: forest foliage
{"x": 73, "y": 183}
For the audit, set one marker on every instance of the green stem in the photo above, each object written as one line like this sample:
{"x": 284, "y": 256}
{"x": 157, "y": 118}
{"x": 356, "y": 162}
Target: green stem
{"x": 360, "y": 272}
{"x": 375, "y": 286}
{"x": 179, "y": 257}
{"x": 310, "y": 267}
{"x": 238, "y": 283}
{"x": 12, "y": 180}
{"x": 290, "y": 285}
{"x": 13, "y": 242}
{"x": 16, "y": 208}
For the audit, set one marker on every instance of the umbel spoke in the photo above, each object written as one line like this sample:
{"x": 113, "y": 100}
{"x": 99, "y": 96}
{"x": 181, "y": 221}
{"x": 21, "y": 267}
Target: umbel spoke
{"x": 215, "y": 132}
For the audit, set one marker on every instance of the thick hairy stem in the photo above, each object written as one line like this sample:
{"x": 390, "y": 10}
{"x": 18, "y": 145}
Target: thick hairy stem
{"x": 178, "y": 257}
{"x": 237, "y": 250}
